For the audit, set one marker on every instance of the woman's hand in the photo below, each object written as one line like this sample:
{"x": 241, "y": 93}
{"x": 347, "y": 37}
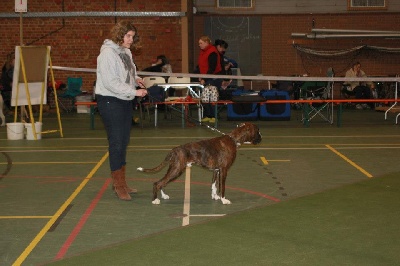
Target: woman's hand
{"x": 141, "y": 92}
{"x": 140, "y": 82}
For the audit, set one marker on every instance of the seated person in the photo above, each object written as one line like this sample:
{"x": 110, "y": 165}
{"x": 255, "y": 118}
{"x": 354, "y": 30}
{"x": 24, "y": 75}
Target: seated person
{"x": 361, "y": 90}
{"x": 162, "y": 65}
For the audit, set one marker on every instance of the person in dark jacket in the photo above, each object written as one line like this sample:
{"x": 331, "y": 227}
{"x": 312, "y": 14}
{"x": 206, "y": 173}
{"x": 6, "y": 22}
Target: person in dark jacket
{"x": 226, "y": 64}
{"x": 162, "y": 65}
{"x": 7, "y": 73}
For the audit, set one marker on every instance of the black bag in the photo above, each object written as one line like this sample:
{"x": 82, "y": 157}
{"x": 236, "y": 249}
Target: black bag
{"x": 225, "y": 95}
{"x": 155, "y": 94}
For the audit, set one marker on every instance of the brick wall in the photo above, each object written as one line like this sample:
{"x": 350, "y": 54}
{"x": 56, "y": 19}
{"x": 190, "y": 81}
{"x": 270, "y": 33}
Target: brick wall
{"x": 76, "y": 42}
{"x": 282, "y": 59}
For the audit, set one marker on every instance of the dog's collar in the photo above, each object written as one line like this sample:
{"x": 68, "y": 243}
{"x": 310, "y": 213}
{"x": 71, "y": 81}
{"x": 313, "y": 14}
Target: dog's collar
{"x": 234, "y": 140}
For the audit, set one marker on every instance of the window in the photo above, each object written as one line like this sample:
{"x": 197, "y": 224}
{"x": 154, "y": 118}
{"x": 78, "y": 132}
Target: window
{"x": 235, "y": 3}
{"x": 366, "y": 4}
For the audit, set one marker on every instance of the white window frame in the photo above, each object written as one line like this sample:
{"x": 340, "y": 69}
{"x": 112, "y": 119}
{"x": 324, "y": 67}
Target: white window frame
{"x": 369, "y": 6}
{"x": 235, "y": 4}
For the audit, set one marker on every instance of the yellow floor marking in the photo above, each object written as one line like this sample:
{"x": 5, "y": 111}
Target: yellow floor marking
{"x": 265, "y": 161}
{"x": 186, "y": 203}
{"x": 25, "y": 217}
{"x": 51, "y": 163}
{"x": 350, "y": 161}
{"x": 54, "y": 218}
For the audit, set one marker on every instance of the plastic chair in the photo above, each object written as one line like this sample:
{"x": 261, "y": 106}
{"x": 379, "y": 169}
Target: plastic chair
{"x": 74, "y": 88}
{"x": 151, "y": 81}
{"x": 184, "y": 90}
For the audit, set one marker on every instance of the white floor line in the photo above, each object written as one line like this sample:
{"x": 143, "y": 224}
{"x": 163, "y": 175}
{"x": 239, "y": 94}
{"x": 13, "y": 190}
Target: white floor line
{"x": 207, "y": 215}
{"x": 186, "y": 203}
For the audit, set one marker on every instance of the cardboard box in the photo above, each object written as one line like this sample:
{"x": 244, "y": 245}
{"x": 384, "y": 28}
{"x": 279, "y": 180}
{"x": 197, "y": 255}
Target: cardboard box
{"x": 83, "y": 109}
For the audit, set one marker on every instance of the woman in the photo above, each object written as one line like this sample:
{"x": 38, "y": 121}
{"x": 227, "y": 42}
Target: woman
{"x": 115, "y": 89}
{"x": 361, "y": 90}
{"x": 209, "y": 62}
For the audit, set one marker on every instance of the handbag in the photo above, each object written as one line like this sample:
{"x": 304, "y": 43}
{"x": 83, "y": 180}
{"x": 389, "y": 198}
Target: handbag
{"x": 210, "y": 94}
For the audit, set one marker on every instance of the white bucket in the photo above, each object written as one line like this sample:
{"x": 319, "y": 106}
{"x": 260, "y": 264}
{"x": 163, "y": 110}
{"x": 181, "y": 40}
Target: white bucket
{"x": 29, "y": 131}
{"x": 15, "y": 131}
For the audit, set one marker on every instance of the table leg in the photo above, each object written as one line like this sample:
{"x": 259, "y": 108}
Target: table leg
{"x": 91, "y": 116}
{"x": 306, "y": 111}
{"x": 339, "y": 115}
{"x": 199, "y": 112}
{"x": 216, "y": 115}
{"x": 155, "y": 115}
{"x": 183, "y": 115}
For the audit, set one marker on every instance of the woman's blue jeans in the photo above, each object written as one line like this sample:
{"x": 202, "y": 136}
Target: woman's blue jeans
{"x": 117, "y": 118}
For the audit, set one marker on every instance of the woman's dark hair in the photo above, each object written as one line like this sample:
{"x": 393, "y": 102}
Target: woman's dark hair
{"x": 221, "y": 43}
{"x": 164, "y": 59}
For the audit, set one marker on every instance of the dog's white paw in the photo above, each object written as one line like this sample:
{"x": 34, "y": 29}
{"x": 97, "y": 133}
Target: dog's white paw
{"x": 225, "y": 201}
{"x": 215, "y": 196}
{"x": 140, "y": 169}
{"x": 156, "y": 202}
{"x": 163, "y": 195}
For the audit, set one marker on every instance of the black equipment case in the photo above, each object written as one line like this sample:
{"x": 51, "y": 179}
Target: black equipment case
{"x": 245, "y": 107}
{"x": 275, "y": 111}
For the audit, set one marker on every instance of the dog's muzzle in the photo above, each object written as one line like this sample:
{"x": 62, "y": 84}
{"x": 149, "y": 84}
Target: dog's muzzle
{"x": 257, "y": 138}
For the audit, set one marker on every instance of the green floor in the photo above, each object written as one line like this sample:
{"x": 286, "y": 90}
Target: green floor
{"x": 353, "y": 225}
{"x": 307, "y": 195}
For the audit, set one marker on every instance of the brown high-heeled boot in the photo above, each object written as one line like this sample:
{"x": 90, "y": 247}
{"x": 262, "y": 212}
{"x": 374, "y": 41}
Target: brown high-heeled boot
{"x": 127, "y": 188}
{"x": 119, "y": 185}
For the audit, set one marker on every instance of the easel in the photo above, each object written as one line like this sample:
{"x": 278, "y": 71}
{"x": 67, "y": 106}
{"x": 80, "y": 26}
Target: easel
{"x": 31, "y": 69}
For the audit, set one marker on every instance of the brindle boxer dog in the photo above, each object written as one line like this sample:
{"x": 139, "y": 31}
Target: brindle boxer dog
{"x": 216, "y": 154}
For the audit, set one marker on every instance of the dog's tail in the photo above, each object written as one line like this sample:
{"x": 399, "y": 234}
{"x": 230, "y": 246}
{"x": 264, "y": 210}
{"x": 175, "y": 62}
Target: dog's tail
{"x": 157, "y": 168}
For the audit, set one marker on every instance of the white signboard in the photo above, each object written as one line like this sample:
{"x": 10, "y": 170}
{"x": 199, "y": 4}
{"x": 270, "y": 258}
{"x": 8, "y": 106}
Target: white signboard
{"x": 36, "y": 59}
{"x": 21, "y": 5}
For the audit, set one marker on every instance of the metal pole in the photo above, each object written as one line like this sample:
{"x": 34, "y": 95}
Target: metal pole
{"x": 21, "y": 38}
{"x": 21, "y": 41}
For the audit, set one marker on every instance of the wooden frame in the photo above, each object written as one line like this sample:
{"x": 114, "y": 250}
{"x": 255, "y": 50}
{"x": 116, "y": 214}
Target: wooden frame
{"x": 30, "y": 70}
